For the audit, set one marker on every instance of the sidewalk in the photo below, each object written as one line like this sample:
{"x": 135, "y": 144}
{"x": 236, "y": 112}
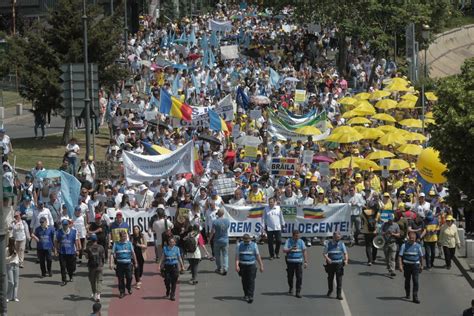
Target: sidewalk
{"x": 10, "y": 115}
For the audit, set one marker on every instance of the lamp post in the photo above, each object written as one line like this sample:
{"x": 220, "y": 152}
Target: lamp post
{"x": 86, "y": 82}
{"x": 3, "y": 246}
{"x": 125, "y": 28}
{"x": 425, "y": 34}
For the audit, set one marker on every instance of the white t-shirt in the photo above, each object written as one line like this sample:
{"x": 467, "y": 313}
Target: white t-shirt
{"x": 5, "y": 143}
{"x": 159, "y": 229}
{"x": 72, "y": 150}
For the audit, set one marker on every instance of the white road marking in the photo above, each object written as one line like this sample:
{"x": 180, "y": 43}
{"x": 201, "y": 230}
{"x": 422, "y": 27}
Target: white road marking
{"x": 345, "y": 306}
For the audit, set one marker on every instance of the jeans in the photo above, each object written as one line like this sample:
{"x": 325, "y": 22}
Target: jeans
{"x": 124, "y": 275}
{"x": 411, "y": 272}
{"x": 335, "y": 269}
{"x": 158, "y": 250}
{"x": 171, "y": 278}
{"x": 139, "y": 268}
{"x": 295, "y": 268}
{"x": 73, "y": 162}
{"x": 42, "y": 129}
{"x": 355, "y": 225}
{"x": 221, "y": 251}
{"x": 68, "y": 266}
{"x": 193, "y": 263}
{"x": 44, "y": 257}
{"x": 430, "y": 252}
{"x": 13, "y": 276}
{"x": 95, "y": 278}
{"x": 370, "y": 250}
{"x": 390, "y": 250}
{"x": 20, "y": 250}
{"x": 248, "y": 273}
{"x": 448, "y": 255}
{"x": 274, "y": 237}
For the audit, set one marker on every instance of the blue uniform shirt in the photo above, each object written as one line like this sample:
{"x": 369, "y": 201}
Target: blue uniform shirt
{"x": 411, "y": 253}
{"x": 247, "y": 253}
{"x": 335, "y": 251}
{"x": 123, "y": 251}
{"x": 45, "y": 236}
{"x": 171, "y": 255}
{"x": 67, "y": 241}
{"x": 295, "y": 255}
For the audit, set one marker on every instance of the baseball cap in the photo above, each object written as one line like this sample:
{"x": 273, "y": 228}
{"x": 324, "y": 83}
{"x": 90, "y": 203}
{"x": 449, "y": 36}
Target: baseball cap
{"x": 386, "y": 194}
{"x": 42, "y": 219}
{"x": 161, "y": 206}
{"x": 65, "y": 222}
{"x": 306, "y": 189}
{"x": 422, "y": 194}
{"x": 402, "y": 192}
{"x": 93, "y": 237}
{"x": 77, "y": 209}
{"x": 432, "y": 193}
{"x": 142, "y": 187}
{"x": 98, "y": 216}
{"x": 358, "y": 175}
{"x": 237, "y": 170}
{"x": 449, "y": 218}
{"x": 254, "y": 184}
{"x": 213, "y": 192}
{"x": 118, "y": 214}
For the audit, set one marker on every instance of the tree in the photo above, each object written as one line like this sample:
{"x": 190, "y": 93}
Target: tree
{"x": 453, "y": 134}
{"x": 39, "y": 53}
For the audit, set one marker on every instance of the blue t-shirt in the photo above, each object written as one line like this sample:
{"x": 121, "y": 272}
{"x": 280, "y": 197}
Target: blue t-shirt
{"x": 221, "y": 228}
{"x": 45, "y": 236}
{"x": 67, "y": 241}
{"x": 123, "y": 251}
{"x": 171, "y": 255}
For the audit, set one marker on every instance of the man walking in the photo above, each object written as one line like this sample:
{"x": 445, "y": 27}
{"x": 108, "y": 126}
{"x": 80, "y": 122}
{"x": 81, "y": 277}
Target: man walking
{"x": 336, "y": 256}
{"x": 68, "y": 246}
{"x": 296, "y": 257}
{"x": 44, "y": 236}
{"x": 123, "y": 254}
{"x": 390, "y": 233}
{"x": 220, "y": 235}
{"x": 273, "y": 222}
{"x": 96, "y": 258}
{"x": 246, "y": 255}
{"x": 411, "y": 254}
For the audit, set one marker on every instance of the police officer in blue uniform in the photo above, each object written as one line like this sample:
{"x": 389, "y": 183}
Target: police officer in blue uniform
{"x": 246, "y": 257}
{"x": 411, "y": 254}
{"x": 171, "y": 263}
{"x": 296, "y": 258}
{"x": 67, "y": 245}
{"x": 44, "y": 236}
{"x": 336, "y": 256}
{"x": 125, "y": 258}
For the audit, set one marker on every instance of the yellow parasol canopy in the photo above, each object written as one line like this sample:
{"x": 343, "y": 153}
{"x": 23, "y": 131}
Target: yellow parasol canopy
{"x": 413, "y": 123}
{"x": 398, "y": 164}
{"x": 358, "y": 120}
{"x": 386, "y": 104}
{"x": 392, "y": 138}
{"x": 344, "y": 138}
{"x": 397, "y": 87}
{"x": 347, "y": 101}
{"x": 350, "y": 114}
{"x": 343, "y": 163}
{"x": 409, "y": 97}
{"x": 414, "y": 136}
{"x": 379, "y": 94}
{"x": 362, "y": 96}
{"x": 406, "y": 104}
{"x": 430, "y": 121}
{"x": 308, "y": 130}
{"x": 364, "y": 108}
{"x": 371, "y": 133}
{"x": 387, "y": 128}
{"x": 366, "y": 164}
{"x": 429, "y": 115}
{"x": 431, "y": 96}
{"x": 381, "y": 154}
{"x": 384, "y": 117}
{"x": 410, "y": 149}
{"x": 344, "y": 130}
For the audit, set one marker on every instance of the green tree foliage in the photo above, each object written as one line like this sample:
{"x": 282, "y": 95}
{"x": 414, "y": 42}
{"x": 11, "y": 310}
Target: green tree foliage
{"x": 453, "y": 134}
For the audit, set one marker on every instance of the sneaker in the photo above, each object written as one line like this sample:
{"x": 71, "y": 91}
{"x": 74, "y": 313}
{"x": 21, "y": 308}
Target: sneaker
{"x": 130, "y": 292}
{"x": 191, "y": 282}
{"x": 21, "y": 266}
{"x": 139, "y": 284}
{"x": 172, "y": 298}
{"x": 97, "y": 297}
{"x": 250, "y": 300}
{"x": 218, "y": 271}
{"x": 298, "y": 295}
{"x": 416, "y": 300}
{"x": 71, "y": 279}
{"x": 7, "y": 300}
{"x": 393, "y": 274}
{"x": 271, "y": 258}
{"x": 290, "y": 291}
{"x": 167, "y": 293}
{"x": 63, "y": 283}
{"x": 16, "y": 300}
{"x": 278, "y": 256}
{"x": 224, "y": 272}
{"x": 407, "y": 296}
{"x": 339, "y": 297}
{"x": 246, "y": 298}
{"x": 50, "y": 274}
{"x": 93, "y": 296}
{"x": 329, "y": 293}
{"x": 369, "y": 263}
{"x": 121, "y": 295}
{"x": 43, "y": 276}
{"x": 195, "y": 282}
{"x": 308, "y": 244}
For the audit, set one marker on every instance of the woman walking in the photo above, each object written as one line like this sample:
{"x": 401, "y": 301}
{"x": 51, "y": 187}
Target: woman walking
{"x": 139, "y": 246}
{"x": 449, "y": 240}
{"x": 193, "y": 253}
{"x": 171, "y": 263}
{"x": 13, "y": 273}
{"x": 20, "y": 234}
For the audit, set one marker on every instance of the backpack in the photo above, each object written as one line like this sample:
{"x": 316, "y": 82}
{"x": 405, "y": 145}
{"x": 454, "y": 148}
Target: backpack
{"x": 94, "y": 257}
{"x": 189, "y": 244}
{"x": 167, "y": 234}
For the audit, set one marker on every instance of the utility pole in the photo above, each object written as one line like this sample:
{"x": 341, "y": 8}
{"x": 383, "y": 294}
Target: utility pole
{"x": 14, "y": 17}
{"x": 125, "y": 28}
{"x": 86, "y": 83}
{"x": 3, "y": 246}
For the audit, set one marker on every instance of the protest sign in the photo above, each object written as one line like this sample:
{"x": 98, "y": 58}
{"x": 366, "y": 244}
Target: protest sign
{"x": 284, "y": 166}
{"x": 229, "y": 52}
{"x": 324, "y": 169}
{"x": 255, "y": 114}
{"x": 103, "y": 170}
{"x": 307, "y": 156}
{"x": 224, "y": 186}
{"x": 300, "y": 96}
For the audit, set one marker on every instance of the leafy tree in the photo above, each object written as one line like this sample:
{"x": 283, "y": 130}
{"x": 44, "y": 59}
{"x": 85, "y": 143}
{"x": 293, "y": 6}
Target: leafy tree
{"x": 39, "y": 53}
{"x": 453, "y": 134}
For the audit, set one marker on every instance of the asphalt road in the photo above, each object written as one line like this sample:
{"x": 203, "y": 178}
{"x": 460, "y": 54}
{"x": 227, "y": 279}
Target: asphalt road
{"x": 367, "y": 291}
{"x": 24, "y": 127}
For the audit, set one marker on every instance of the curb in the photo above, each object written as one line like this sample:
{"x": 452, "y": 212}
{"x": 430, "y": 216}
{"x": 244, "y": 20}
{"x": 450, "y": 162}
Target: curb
{"x": 463, "y": 266}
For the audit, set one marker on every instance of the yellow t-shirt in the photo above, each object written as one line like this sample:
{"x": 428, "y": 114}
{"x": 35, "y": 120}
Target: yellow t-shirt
{"x": 256, "y": 197}
{"x": 375, "y": 183}
{"x": 359, "y": 187}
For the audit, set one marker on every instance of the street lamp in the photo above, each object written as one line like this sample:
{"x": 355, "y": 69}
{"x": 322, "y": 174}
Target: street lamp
{"x": 425, "y": 34}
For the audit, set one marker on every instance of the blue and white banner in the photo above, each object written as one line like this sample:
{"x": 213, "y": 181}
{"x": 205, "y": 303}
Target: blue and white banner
{"x": 220, "y": 26}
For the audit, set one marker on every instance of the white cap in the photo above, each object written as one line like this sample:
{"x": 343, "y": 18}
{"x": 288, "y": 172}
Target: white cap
{"x": 422, "y": 194}
{"x": 142, "y": 187}
{"x": 161, "y": 206}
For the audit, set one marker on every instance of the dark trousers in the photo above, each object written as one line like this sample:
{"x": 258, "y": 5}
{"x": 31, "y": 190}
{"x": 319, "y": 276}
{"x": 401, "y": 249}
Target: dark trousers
{"x": 274, "y": 237}
{"x": 139, "y": 268}
{"x": 430, "y": 253}
{"x": 411, "y": 272}
{"x": 171, "y": 278}
{"x": 68, "y": 266}
{"x": 124, "y": 276}
{"x": 193, "y": 266}
{"x": 83, "y": 243}
{"x": 44, "y": 257}
{"x": 248, "y": 273}
{"x": 335, "y": 269}
{"x": 448, "y": 255}
{"x": 295, "y": 268}
{"x": 370, "y": 250}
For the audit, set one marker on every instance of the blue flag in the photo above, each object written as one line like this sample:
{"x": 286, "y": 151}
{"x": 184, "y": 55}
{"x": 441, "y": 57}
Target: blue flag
{"x": 212, "y": 59}
{"x": 165, "y": 101}
{"x": 192, "y": 38}
{"x": 204, "y": 43}
{"x": 274, "y": 78}
{"x": 205, "y": 57}
{"x": 242, "y": 99}
{"x": 175, "y": 86}
{"x": 70, "y": 191}
{"x": 196, "y": 84}
{"x": 214, "y": 42}
{"x": 154, "y": 102}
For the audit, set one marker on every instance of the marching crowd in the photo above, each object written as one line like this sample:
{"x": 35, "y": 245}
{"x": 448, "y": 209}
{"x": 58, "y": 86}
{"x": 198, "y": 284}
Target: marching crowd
{"x": 277, "y": 56}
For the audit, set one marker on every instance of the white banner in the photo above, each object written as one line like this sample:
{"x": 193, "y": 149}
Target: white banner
{"x": 220, "y": 26}
{"x": 312, "y": 220}
{"x": 229, "y": 52}
{"x": 225, "y": 108}
{"x": 141, "y": 168}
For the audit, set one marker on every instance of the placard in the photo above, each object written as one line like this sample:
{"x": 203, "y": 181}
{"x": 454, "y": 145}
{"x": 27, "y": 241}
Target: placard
{"x": 284, "y": 166}
{"x": 324, "y": 169}
{"x": 308, "y": 156}
{"x": 300, "y": 96}
{"x": 103, "y": 170}
{"x": 229, "y": 52}
{"x": 250, "y": 152}
{"x": 224, "y": 186}
{"x": 255, "y": 114}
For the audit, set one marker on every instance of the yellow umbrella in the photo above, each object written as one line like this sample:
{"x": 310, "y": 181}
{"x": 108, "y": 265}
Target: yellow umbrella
{"x": 379, "y": 94}
{"x": 360, "y": 129}
{"x": 406, "y": 104}
{"x": 344, "y": 138}
{"x": 397, "y": 87}
{"x": 386, "y": 104}
{"x": 344, "y": 130}
{"x": 371, "y": 133}
{"x": 398, "y": 164}
{"x": 365, "y": 164}
{"x": 384, "y": 117}
{"x": 429, "y": 115}
{"x": 350, "y": 114}
{"x": 409, "y": 97}
{"x": 392, "y": 138}
{"x": 381, "y": 154}
{"x": 365, "y": 108}
{"x": 358, "y": 120}
{"x": 414, "y": 136}
{"x": 308, "y": 130}
{"x": 387, "y": 128}
{"x": 347, "y": 101}
{"x": 343, "y": 163}
{"x": 410, "y": 149}
{"x": 430, "y": 121}
{"x": 413, "y": 123}
{"x": 362, "y": 96}
{"x": 397, "y": 80}
{"x": 431, "y": 96}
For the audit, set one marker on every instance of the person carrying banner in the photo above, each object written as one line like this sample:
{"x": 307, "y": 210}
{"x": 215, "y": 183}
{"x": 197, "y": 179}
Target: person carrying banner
{"x": 336, "y": 256}
{"x": 296, "y": 259}
{"x": 272, "y": 223}
{"x": 246, "y": 255}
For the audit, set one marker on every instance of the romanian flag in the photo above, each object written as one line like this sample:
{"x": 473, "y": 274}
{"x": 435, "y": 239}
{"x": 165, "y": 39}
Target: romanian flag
{"x": 174, "y": 107}
{"x": 256, "y": 212}
{"x": 198, "y": 168}
{"x": 216, "y": 122}
{"x": 313, "y": 213}
{"x": 154, "y": 150}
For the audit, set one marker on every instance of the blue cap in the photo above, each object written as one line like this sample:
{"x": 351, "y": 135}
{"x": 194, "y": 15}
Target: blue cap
{"x": 306, "y": 189}
{"x": 254, "y": 184}
{"x": 77, "y": 208}
{"x": 93, "y": 237}
{"x": 27, "y": 198}
{"x": 214, "y": 192}
{"x": 245, "y": 180}
{"x": 2, "y": 130}
{"x": 429, "y": 215}
{"x": 65, "y": 222}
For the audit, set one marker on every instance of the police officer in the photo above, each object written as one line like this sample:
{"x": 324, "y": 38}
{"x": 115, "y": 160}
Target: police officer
{"x": 246, "y": 256}
{"x": 296, "y": 257}
{"x": 336, "y": 256}
{"x": 411, "y": 254}
{"x": 67, "y": 245}
{"x": 124, "y": 256}
{"x": 44, "y": 236}
{"x": 169, "y": 263}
